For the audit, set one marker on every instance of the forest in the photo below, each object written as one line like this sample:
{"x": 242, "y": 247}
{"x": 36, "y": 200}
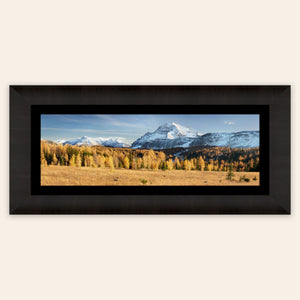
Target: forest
{"x": 196, "y": 158}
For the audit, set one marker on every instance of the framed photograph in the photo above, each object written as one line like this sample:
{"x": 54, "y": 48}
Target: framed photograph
{"x": 150, "y": 150}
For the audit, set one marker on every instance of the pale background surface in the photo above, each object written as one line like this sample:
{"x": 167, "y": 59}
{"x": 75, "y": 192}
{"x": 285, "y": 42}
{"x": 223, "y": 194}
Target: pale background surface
{"x": 149, "y": 257}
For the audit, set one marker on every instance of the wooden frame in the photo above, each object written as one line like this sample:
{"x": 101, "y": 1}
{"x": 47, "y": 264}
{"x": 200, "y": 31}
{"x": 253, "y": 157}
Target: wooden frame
{"x": 272, "y": 197}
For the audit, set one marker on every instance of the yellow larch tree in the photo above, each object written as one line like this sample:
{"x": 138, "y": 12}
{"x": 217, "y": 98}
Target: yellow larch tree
{"x": 100, "y": 161}
{"x": 134, "y": 163}
{"x": 139, "y": 163}
{"x": 43, "y": 160}
{"x": 110, "y": 162}
{"x": 155, "y": 164}
{"x": 146, "y": 161}
{"x": 126, "y": 162}
{"x": 187, "y": 165}
{"x": 72, "y": 161}
{"x": 116, "y": 160}
{"x": 177, "y": 163}
{"x": 201, "y": 164}
{"x": 161, "y": 155}
{"x": 92, "y": 162}
{"x": 54, "y": 159}
{"x": 170, "y": 164}
{"x": 66, "y": 159}
{"x": 78, "y": 160}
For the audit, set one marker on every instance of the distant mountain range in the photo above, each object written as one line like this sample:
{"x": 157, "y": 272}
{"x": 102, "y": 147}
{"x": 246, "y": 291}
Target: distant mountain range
{"x": 242, "y": 139}
{"x": 173, "y": 135}
{"x": 108, "y": 142}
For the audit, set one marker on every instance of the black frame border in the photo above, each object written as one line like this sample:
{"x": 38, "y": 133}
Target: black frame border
{"x": 23, "y": 201}
{"x": 38, "y": 110}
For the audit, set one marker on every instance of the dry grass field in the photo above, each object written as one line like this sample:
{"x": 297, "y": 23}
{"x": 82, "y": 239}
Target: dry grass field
{"x": 62, "y": 175}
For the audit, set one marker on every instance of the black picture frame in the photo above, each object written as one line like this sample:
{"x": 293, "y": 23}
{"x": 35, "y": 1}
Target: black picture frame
{"x": 272, "y": 103}
{"x": 38, "y": 110}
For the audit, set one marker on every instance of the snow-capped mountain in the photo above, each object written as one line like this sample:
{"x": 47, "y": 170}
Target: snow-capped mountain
{"x": 108, "y": 142}
{"x": 172, "y": 135}
{"x": 242, "y": 139}
{"x": 169, "y": 135}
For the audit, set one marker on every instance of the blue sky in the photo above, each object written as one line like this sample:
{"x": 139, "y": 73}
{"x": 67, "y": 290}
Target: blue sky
{"x": 131, "y": 127}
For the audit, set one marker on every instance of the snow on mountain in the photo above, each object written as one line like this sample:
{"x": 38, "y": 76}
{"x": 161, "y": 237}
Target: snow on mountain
{"x": 108, "y": 142}
{"x": 169, "y": 135}
{"x": 242, "y": 139}
{"x": 173, "y": 135}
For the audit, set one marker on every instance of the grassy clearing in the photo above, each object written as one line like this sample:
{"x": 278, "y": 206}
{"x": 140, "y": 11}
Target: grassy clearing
{"x": 62, "y": 175}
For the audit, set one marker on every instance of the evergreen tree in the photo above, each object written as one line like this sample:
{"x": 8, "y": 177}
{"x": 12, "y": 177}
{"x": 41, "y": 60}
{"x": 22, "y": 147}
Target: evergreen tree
{"x": 164, "y": 166}
{"x": 230, "y": 174}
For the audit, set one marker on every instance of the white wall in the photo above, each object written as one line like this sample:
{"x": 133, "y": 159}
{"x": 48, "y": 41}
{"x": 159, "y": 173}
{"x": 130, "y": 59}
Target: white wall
{"x": 149, "y": 257}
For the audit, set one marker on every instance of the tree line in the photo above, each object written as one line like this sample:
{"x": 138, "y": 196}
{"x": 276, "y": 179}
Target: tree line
{"x": 105, "y": 157}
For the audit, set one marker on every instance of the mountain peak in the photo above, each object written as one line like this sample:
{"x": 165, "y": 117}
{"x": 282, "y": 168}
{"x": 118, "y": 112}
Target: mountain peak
{"x": 170, "y": 123}
{"x": 169, "y": 133}
{"x": 172, "y": 130}
{"x": 85, "y": 140}
{"x": 174, "y": 135}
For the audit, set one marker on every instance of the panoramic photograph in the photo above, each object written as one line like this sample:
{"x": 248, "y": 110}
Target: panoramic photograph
{"x": 150, "y": 150}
